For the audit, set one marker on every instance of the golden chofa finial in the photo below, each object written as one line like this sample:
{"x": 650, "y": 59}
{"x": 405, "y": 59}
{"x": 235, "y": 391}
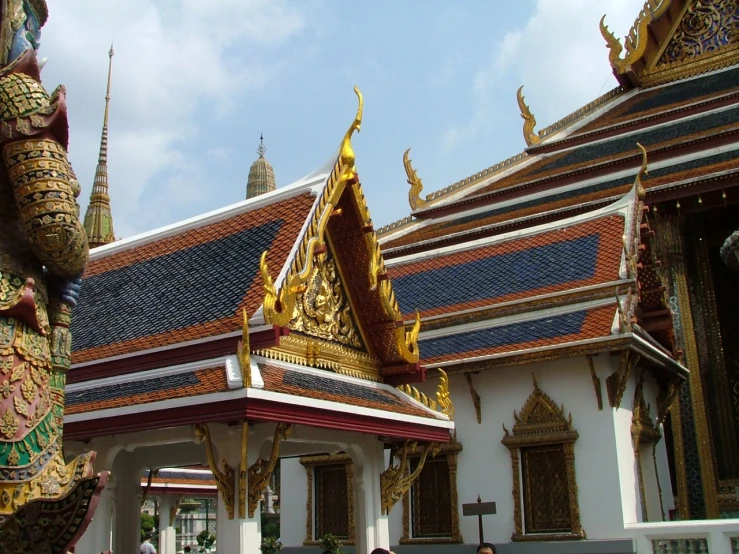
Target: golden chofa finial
{"x": 346, "y": 155}
{"x": 640, "y": 192}
{"x": 612, "y": 43}
{"x": 414, "y": 195}
{"x": 529, "y": 121}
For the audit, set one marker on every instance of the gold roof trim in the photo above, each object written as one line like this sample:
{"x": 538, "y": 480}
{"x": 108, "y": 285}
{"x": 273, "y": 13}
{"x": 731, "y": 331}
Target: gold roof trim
{"x": 637, "y": 39}
{"x": 529, "y": 121}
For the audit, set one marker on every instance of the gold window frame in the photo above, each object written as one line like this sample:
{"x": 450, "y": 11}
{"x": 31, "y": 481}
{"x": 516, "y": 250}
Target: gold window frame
{"x": 310, "y": 463}
{"x": 450, "y": 451}
{"x": 543, "y": 423}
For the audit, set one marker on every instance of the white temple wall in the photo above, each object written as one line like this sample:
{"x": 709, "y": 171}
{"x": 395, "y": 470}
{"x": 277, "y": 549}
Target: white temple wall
{"x": 294, "y": 490}
{"x": 484, "y": 465}
{"x": 608, "y": 489}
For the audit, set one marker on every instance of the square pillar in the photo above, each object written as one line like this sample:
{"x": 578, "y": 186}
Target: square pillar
{"x": 371, "y": 524}
{"x": 237, "y": 535}
{"x": 167, "y": 533}
{"x": 99, "y": 534}
{"x": 127, "y": 531}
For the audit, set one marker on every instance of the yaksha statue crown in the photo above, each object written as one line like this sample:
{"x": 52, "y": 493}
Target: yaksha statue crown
{"x": 45, "y": 502}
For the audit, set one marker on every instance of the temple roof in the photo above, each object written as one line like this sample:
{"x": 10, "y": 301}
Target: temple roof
{"x": 688, "y": 127}
{"x": 297, "y": 275}
{"x": 559, "y": 286}
{"x": 187, "y": 281}
{"x": 212, "y": 390}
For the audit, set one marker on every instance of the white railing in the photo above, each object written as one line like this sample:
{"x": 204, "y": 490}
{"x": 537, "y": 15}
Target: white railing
{"x": 718, "y": 536}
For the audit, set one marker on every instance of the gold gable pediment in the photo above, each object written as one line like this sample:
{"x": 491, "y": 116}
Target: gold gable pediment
{"x": 323, "y": 309}
{"x": 703, "y": 38}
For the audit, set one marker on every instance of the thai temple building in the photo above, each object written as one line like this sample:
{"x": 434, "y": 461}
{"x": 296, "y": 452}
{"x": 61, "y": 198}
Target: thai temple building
{"x": 261, "y": 174}
{"x": 543, "y": 355}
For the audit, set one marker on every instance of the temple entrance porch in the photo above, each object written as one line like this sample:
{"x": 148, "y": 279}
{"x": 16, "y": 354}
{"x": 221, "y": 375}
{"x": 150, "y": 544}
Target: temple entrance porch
{"x": 116, "y": 525}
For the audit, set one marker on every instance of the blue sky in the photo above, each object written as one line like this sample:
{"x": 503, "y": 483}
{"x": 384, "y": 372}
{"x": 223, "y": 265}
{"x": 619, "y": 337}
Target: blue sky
{"x": 195, "y": 82}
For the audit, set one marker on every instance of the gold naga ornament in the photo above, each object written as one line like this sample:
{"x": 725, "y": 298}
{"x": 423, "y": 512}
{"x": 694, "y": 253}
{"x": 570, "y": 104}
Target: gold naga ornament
{"x": 395, "y": 481}
{"x": 414, "y": 194}
{"x": 443, "y": 403}
{"x": 529, "y": 121}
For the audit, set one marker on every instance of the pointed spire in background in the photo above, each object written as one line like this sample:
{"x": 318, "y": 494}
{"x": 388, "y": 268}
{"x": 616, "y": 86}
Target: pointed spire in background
{"x": 261, "y": 175}
{"x": 98, "y": 217}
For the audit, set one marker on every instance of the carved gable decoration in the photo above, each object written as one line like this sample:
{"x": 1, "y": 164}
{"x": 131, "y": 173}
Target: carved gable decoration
{"x": 323, "y": 310}
{"x": 705, "y": 28}
{"x": 540, "y": 421}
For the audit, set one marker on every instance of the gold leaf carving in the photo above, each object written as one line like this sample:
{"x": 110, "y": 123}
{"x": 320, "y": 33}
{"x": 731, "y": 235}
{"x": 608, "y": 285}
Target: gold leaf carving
{"x": 322, "y": 309}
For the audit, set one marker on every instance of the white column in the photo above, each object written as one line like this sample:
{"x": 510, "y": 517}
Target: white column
{"x": 99, "y": 534}
{"x": 236, "y": 536}
{"x": 371, "y": 524}
{"x": 167, "y": 535}
{"x": 127, "y": 536}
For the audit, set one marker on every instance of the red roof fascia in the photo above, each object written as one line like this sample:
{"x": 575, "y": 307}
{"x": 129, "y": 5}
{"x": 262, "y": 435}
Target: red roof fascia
{"x": 254, "y": 409}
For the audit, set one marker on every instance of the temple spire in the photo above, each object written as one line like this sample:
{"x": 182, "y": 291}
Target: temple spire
{"x": 261, "y": 174}
{"x": 98, "y": 218}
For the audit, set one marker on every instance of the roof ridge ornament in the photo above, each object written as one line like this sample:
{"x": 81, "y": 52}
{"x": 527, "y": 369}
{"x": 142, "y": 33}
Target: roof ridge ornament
{"x": 529, "y": 121}
{"x": 414, "y": 194}
{"x": 346, "y": 154}
{"x": 637, "y": 39}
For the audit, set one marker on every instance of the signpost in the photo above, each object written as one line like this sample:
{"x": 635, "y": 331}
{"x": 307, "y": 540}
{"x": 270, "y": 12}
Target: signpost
{"x": 479, "y": 509}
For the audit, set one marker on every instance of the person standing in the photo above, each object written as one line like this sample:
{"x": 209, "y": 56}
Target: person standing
{"x": 146, "y": 546}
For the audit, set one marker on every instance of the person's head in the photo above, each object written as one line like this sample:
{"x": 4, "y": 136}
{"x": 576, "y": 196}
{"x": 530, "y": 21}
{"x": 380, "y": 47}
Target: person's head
{"x": 486, "y": 548}
{"x": 380, "y": 551}
{"x": 147, "y": 536}
{"x": 188, "y": 549}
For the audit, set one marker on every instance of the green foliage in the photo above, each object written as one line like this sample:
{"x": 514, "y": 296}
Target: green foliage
{"x": 270, "y": 545}
{"x": 270, "y": 526}
{"x": 206, "y": 539}
{"x": 147, "y": 524}
{"x": 331, "y": 544}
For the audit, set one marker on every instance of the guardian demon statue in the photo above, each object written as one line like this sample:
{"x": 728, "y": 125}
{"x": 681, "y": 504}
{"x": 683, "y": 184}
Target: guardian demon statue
{"x": 45, "y": 501}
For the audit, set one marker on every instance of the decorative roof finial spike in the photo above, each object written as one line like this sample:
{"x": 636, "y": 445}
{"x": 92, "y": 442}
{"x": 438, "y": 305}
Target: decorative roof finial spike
{"x": 612, "y": 43}
{"x": 98, "y": 217}
{"x": 261, "y": 150}
{"x": 529, "y": 121}
{"x": 414, "y": 194}
{"x": 346, "y": 154}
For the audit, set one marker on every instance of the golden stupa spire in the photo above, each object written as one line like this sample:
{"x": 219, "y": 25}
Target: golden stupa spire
{"x": 98, "y": 217}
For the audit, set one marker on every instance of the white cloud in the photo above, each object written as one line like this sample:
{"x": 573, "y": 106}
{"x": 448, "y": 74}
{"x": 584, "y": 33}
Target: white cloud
{"x": 558, "y": 55}
{"x": 179, "y": 66}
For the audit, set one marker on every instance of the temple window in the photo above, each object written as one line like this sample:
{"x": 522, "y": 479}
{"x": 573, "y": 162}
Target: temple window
{"x": 430, "y": 508}
{"x": 330, "y": 503}
{"x": 542, "y": 447}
